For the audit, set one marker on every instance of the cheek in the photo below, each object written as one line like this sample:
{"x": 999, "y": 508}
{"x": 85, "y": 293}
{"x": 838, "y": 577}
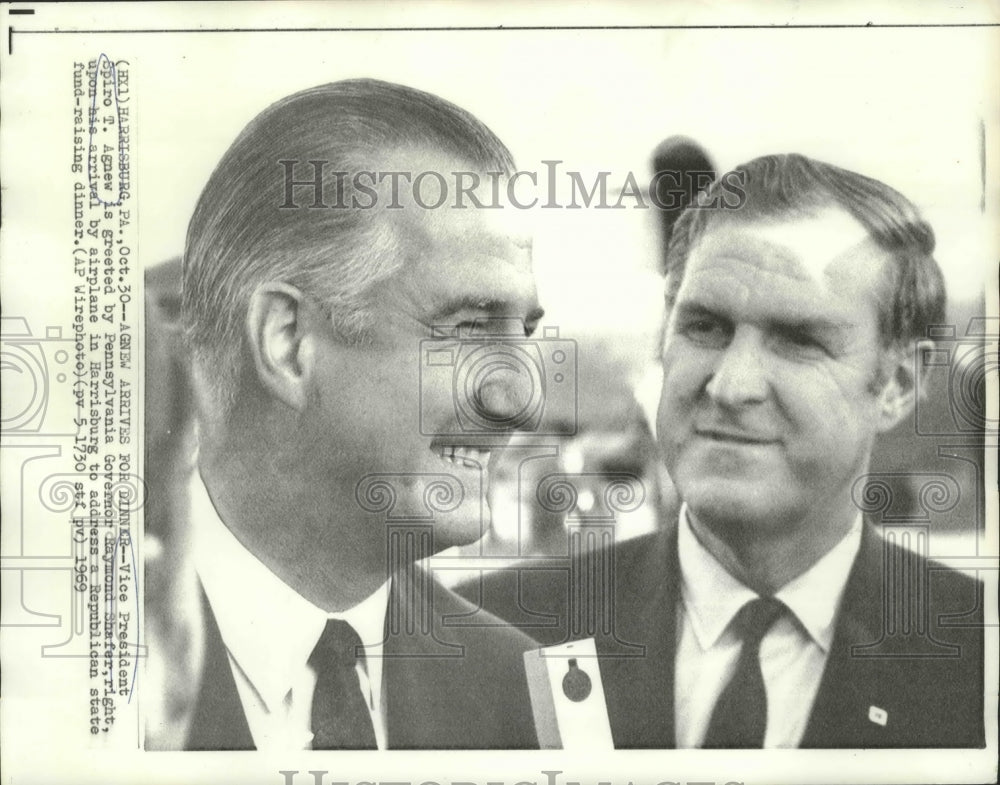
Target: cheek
{"x": 682, "y": 380}
{"x": 685, "y": 371}
{"x": 833, "y": 420}
{"x": 684, "y": 377}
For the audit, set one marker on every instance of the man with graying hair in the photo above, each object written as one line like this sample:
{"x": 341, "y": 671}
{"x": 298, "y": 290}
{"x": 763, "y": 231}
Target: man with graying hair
{"x": 324, "y": 469}
{"x": 771, "y": 613}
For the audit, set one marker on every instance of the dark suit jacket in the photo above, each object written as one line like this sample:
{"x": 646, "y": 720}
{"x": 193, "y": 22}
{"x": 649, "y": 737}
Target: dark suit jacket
{"x": 454, "y": 687}
{"x": 926, "y": 672}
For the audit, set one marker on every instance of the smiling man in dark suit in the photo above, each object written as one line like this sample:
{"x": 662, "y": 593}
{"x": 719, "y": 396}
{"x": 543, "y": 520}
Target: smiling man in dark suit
{"x": 326, "y": 466}
{"x": 767, "y": 612}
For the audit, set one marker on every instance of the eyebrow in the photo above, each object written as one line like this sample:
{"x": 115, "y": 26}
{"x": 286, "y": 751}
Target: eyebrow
{"x": 820, "y": 326}
{"x": 809, "y": 324}
{"x": 694, "y": 308}
{"x": 489, "y": 305}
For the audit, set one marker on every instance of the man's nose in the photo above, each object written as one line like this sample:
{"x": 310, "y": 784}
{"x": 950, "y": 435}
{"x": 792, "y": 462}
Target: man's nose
{"x": 739, "y": 377}
{"x": 505, "y": 389}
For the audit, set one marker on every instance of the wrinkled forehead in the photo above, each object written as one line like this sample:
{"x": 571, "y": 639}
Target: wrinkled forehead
{"x": 445, "y": 200}
{"x": 823, "y": 263}
{"x": 457, "y": 241}
{"x": 818, "y": 247}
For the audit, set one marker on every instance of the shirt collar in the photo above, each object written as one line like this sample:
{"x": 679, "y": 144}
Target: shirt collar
{"x": 712, "y": 596}
{"x": 814, "y": 596}
{"x": 268, "y": 627}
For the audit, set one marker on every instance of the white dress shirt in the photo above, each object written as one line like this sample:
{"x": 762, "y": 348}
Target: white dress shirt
{"x": 793, "y": 653}
{"x": 270, "y": 630}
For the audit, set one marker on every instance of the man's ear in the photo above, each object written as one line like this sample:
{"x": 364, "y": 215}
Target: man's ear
{"x": 277, "y": 334}
{"x": 898, "y": 395}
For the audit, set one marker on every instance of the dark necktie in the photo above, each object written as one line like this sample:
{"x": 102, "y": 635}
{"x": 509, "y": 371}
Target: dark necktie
{"x": 340, "y": 716}
{"x": 740, "y": 716}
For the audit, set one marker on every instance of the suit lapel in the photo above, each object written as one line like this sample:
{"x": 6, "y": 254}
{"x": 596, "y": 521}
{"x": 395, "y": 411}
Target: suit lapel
{"x": 852, "y": 685}
{"x": 640, "y": 690}
{"x": 218, "y": 722}
{"x": 452, "y": 686}
{"x": 419, "y": 670}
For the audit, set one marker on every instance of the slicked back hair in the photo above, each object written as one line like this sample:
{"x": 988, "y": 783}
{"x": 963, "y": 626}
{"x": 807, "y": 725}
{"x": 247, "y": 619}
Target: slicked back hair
{"x": 240, "y": 237}
{"x": 791, "y": 185}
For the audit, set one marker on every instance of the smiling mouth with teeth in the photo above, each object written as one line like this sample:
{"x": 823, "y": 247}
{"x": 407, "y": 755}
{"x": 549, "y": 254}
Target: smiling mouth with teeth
{"x": 464, "y": 455}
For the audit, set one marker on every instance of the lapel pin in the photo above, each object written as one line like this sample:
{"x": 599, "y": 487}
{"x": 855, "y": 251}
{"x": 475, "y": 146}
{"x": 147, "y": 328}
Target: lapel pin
{"x": 878, "y": 715}
{"x": 576, "y": 683}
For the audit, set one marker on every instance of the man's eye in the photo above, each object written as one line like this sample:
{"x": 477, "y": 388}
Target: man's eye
{"x": 484, "y": 328}
{"x": 800, "y": 341}
{"x": 444, "y": 332}
{"x": 458, "y": 331}
{"x": 705, "y": 331}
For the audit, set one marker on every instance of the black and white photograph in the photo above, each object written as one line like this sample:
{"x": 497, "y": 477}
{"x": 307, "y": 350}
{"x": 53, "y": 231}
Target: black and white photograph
{"x": 552, "y": 394}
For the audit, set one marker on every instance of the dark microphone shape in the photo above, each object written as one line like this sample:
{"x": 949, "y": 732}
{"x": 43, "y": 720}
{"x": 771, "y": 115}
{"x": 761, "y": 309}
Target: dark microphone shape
{"x": 681, "y": 170}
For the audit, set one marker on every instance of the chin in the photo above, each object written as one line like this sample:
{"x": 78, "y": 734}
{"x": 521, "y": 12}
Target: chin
{"x": 464, "y": 525}
{"x": 739, "y": 504}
